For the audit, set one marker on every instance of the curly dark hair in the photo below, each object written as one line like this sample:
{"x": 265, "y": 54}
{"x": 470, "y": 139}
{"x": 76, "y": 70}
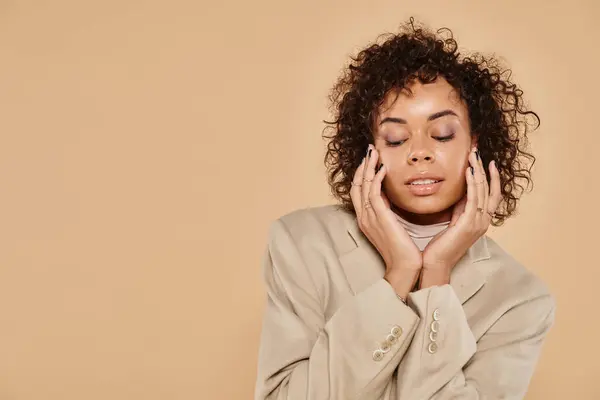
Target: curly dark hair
{"x": 497, "y": 113}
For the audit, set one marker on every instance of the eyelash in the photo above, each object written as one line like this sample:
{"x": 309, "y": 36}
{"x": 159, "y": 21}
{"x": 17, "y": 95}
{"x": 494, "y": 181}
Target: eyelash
{"x": 438, "y": 138}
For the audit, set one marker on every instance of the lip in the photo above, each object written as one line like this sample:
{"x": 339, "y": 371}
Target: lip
{"x": 424, "y": 190}
{"x": 423, "y": 175}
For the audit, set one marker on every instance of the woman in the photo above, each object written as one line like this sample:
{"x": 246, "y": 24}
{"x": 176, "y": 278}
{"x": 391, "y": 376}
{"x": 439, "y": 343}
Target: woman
{"x": 397, "y": 293}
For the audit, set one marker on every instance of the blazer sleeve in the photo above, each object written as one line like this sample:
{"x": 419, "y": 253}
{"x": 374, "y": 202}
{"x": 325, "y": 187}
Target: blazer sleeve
{"x": 446, "y": 362}
{"x": 353, "y": 355}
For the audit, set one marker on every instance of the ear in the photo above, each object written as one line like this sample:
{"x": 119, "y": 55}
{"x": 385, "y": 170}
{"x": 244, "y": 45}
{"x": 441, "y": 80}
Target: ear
{"x": 474, "y": 139}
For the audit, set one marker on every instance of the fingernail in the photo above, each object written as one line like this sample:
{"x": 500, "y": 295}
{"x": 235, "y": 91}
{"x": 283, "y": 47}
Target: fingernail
{"x": 472, "y": 170}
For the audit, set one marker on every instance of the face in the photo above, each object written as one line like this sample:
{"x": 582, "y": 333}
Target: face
{"x": 424, "y": 134}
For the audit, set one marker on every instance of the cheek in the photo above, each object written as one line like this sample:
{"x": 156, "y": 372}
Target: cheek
{"x": 455, "y": 176}
{"x": 393, "y": 164}
{"x": 454, "y": 163}
{"x": 393, "y": 158}
{"x": 458, "y": 168}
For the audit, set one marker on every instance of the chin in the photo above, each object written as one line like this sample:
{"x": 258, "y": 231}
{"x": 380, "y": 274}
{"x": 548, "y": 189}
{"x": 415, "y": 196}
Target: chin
{"x": 425, "y": 205}
{"x": 436, "y": 203}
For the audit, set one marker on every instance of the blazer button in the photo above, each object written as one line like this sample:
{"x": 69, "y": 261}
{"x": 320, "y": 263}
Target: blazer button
{"x": 396, "y": 331}
{"x": 433, "y": 336}
{"x": 392, "y": 339}
{"x": 385, "y": 346}
{"x": 435, "y": 326}
{"x": 432, "y": 348}
{"x": 436, "y": 314}
{"x": 378, "y": 355}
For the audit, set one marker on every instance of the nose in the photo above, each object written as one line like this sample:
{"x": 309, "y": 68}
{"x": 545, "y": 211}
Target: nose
{"x": 420, "y": 154}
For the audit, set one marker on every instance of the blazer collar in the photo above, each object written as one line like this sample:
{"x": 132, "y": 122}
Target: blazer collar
{"x": 364, "y": 266}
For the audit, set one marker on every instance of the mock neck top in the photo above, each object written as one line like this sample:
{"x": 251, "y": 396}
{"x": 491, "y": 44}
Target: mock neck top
{"x": 422, "y": 234}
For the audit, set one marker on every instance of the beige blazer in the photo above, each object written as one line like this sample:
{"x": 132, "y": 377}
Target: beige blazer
{"x": 334, "y": 329}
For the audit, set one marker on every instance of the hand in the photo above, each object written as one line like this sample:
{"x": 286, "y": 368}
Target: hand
{"x": 378, "y": 222}
{"x": 470, "y": 220}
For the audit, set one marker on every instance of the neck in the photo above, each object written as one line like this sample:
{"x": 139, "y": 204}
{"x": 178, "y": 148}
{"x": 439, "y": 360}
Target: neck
{"x": 424, "y": 219}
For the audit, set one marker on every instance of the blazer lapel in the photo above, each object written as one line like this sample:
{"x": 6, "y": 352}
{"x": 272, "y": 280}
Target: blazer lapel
{"x": 361, "y": 262}
{"x": 364, "y": 266}
{"x": 472, "y": 270}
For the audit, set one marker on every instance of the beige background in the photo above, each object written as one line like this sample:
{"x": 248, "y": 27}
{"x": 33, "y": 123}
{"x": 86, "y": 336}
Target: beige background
{"x": 146, "y": 146}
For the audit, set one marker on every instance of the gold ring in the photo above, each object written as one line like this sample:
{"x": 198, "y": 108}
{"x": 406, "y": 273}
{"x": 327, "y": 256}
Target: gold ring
{"x": 356, "y": 184}
{"x": 367, "y": 180}
{"x": 368, "y": 204}
{"x": 480, "y": 209}
{"x": 491, "y": 214}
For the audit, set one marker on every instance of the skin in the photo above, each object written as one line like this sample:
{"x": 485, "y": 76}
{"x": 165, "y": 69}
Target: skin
{"x": 418, "y": 145}
{"x": 408, "y": 132}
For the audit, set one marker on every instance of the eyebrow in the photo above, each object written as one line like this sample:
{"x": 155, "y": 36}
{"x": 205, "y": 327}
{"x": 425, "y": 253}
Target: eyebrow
{"x": 433, "y": 116}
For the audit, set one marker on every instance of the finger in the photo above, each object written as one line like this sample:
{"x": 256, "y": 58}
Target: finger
{"x": 486, "y": 187}
{"x": 376, "y": 207}
{"x": 355, "y": 189}
{"x": 375, "y": 193}
{"x": 495, "y": 191}
{"x": 367, "y": 158}
{"x": 369, "y": 173}
{"x": 471, "y": 206}
{"x": 386, "y": 223}
{"x": 477, "y": 180}
{"x": 458, "y": 210}
{"x": 379, "y": 200}
{"x": 385, "y": 199}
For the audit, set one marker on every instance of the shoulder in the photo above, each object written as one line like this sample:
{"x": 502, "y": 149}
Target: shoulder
{"x": 305, "y": 218}
{"x": 313, "y": 223}
{"x": 304, "y": 243}
{"x": 311, "y": 240}
{"x": 515, "y": 283}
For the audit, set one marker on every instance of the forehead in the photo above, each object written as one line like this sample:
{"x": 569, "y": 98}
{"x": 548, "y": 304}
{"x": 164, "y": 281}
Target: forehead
{"x": 420, "y": 99}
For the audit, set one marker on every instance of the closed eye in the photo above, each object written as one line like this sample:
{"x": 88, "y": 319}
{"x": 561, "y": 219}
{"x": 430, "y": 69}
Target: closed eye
{"x": 444, "y": 138}
{"x": 395, "y": 144}
{"x": 438, "y": 138}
